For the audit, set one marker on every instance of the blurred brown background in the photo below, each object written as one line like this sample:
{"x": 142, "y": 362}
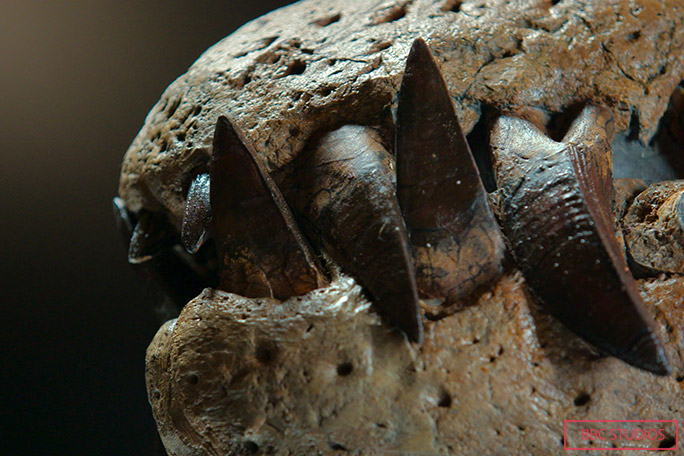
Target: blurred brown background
{"x": 76, "y": 81}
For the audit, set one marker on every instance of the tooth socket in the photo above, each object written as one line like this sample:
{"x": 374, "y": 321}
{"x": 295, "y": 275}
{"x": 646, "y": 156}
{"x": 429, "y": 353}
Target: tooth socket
{"x": 562, "y": 238}
{"x": 347, "y": 203}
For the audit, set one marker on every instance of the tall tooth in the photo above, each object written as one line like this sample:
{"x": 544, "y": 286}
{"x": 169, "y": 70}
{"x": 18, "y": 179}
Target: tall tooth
{"x": 560, "y": 233}
{"x": 348, "y": 204}
{"x": 261, "y": 251}
{"x": 457, "y": 244}
{"x": 171, "y": 282}
{"x": 149, "y": 237}
{"x": 197, "y": 217}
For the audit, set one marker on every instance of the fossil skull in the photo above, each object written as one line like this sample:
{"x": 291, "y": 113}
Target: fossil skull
{"x": 352, "y": 276}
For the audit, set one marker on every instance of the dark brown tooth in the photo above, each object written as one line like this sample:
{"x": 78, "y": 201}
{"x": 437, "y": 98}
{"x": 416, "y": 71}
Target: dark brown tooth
{"x": 197, "y": 217}
{"x": 556, "y": 218}
{"x": 149, "y": 237}
{"x": 349, "y": 205}
{"x": 171, "y": 282}
{"x": 654, "y": 230}
{"x": 261, "y": 251}
{"x": 457, "y": 244}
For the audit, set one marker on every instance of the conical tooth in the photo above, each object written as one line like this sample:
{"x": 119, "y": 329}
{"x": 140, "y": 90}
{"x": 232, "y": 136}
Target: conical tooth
{"x": 457, "y": 244}
{"x": 261, "y": 250}
{"x": 197, "y": 217}
{"x": 556, "y": 224}
{"x": 348, "y": 203}
{"x": 122, "y": 218}
{"x": 171, "y": 282}
{"x": 149, "y": 237}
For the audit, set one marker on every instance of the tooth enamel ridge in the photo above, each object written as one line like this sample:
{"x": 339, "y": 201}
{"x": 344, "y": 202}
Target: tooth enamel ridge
{"x": 348, "y": 204}
{"x": 556, "y": 216}
{"x": 197, "y": 216}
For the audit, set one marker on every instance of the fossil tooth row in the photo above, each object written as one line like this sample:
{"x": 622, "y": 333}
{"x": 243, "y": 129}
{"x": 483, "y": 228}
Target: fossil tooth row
{"x": 457, "y": 245}
{"x": 197, "y": 217}
{"x": 171, "y": 281}
{"x": 556, "y": 215}
{"x": 261, "y": 251}
{"x": 348, "y": 204}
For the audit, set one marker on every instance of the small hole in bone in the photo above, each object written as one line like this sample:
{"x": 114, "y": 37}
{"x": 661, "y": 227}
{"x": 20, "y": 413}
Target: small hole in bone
{"x": 582, "y": 399}
{"x": 264, "y": 354}
{"x": 444, "y": 399}
{"x": 344, "y": 369}
{"x": 192, "y": 379}
{"x": 667, "y": 442}
{"x": 173, "y": 107}
{"x": 634, "y": 36}
{"x": 337, "y": 446}
{"x": 391, "y": 14}
{"x": 251, "y": 447}
{"x": 294, "y": 68}
{"x": 452, "y": 5}
{"x": 327, "y": 20}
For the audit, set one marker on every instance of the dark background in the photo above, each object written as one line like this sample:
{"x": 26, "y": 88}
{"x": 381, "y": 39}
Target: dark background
{"x": 76, "y": 81}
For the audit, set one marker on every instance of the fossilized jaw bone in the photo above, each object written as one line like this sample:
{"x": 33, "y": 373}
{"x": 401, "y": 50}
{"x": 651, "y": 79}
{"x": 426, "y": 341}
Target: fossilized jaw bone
{"x": 557, "y": 220}
{"x": 261, "y": 251}
{"x": 654, "y": 229}
{"x": 457, "y": 245}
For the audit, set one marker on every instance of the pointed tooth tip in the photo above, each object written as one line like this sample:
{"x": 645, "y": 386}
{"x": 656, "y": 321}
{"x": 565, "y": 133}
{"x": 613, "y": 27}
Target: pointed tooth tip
{"x": 415, "y": 333}
{"x": 419, "y": 44}
{"x": 650, "y": 356}
{"x": 192, "y": 243}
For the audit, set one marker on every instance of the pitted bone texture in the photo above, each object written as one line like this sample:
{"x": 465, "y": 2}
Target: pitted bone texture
{"x": 319, "y": 375}
{"x": 317, "y": 65}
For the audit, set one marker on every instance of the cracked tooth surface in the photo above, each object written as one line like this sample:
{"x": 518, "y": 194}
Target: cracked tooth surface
{"x": 261, "y": 251}
{"x": 456, "y": 241}
{"x": 348, "y": 204}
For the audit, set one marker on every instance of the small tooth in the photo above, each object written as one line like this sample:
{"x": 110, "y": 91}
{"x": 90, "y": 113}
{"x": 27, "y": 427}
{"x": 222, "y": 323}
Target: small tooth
{"x": 197, "y": 217}
{"x": 148, "y": 239}
{"x": 457, "y": 244}
{"x": 348, "y": 202}
{"x": 171, "y": 282}
{"x": 261, "y": 251}
{"x": 557, "y": 220}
